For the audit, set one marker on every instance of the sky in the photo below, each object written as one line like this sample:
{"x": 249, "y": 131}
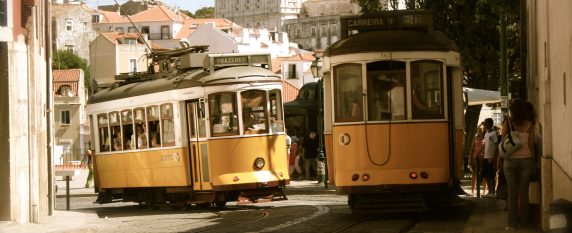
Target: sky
{"x": 190, "y": 5}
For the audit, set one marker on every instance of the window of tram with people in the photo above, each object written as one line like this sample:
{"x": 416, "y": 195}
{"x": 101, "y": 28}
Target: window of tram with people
{"x": 223, "y": 114}
{"x": 386, "y": 85}
{"x": 348, "y": 93}
{"x": 427, "y": 89}
{"x": 138, "y": 128}
{"x": 254, "y": 112}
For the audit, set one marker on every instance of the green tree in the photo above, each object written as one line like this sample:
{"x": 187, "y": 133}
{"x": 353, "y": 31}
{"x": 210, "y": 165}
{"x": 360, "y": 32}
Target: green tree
{"x": 205, "y": 13}
{"x": 67, "y": 59}
{"x": 186, "y": 12}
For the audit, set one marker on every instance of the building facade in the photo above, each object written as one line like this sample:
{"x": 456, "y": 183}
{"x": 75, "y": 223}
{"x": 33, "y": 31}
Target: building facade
{"x": 269, "y": 14}
{"x": 114, "y": 53}
{"x": 26, "y": 177}
{"x": 550, "y": 89}
{"x": 72, "y": 28}
{"x": 319, "y": 23}
{"x": 70, "y": 119}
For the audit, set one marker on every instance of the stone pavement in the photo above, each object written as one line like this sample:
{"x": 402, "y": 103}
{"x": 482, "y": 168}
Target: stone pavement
{"x": 487, "y": 216}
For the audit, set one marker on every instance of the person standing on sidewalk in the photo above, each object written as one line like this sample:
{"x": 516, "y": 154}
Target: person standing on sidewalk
{"x": 519, "y": 167}
{"x": 89, "y": 160}
{"x": 489, "y": 162}
{"x": 477, "y": 153}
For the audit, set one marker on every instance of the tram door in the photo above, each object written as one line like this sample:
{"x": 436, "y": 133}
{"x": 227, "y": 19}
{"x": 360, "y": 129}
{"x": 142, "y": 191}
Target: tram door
{"x": 198, "y": 148}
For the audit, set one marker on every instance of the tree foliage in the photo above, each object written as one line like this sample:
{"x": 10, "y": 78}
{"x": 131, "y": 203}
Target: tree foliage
{"x": 203, "y": 13}
{"x": 67, "y": 59}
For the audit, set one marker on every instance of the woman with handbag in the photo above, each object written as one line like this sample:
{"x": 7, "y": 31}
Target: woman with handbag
{"x": 518, "y": 167}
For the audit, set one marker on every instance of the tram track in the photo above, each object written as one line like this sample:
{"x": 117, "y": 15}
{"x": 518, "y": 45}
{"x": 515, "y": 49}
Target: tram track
{"x": 262, "y": 215}
{"x": 352, "y": 226}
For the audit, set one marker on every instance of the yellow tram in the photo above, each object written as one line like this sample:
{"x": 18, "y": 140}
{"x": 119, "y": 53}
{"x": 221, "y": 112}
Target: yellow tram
{"x": 393, "y": 111}
{"x": 213, "y": 132}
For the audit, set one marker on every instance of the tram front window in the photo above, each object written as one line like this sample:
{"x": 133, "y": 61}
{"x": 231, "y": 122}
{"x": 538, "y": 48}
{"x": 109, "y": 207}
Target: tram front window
{"x": 222, "y": 112}
{"x": 348, "y": 93}
{"x": 254, "y": 112}
{"x": 427, "y": 89}
{"x": 386, "y": 99}
{"x": 277, "y": 121}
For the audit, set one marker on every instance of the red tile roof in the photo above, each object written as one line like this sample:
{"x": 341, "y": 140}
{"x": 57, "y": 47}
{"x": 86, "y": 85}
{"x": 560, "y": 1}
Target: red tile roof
{"x": 289, "y": 92}
{"x": 115, "y": 36}
{"x": 154, "y": 14}
{"x": 69, "y": 77}
{"x": 190, "y": 25}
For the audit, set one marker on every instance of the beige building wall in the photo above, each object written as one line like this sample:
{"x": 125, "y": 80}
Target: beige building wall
{"x": 550, "y": 89}
{"x": 102, "y": 61}
{"x": 25, "y": 116}
{"x": 126, "y": 52}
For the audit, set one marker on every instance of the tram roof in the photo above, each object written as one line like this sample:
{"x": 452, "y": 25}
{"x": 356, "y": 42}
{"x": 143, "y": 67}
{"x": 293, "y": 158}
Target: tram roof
{"x": 392, "y": 40}
{"x": 192, "y": 78}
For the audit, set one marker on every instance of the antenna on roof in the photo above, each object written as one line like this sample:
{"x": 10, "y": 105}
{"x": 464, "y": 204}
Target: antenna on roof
{"x": 136, "y": 29}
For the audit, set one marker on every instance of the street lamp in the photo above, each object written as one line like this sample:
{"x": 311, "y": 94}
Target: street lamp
{"x": 316, "y": 69}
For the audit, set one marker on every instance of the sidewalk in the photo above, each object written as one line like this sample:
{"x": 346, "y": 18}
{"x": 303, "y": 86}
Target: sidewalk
{"x": 487, "y": 216}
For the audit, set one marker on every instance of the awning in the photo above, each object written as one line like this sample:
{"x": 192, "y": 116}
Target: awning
{"x": 474, "y": 96}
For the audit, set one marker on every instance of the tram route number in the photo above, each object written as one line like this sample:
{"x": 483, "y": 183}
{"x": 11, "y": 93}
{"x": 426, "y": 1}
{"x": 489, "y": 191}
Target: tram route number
{"x": 170, "y": 157}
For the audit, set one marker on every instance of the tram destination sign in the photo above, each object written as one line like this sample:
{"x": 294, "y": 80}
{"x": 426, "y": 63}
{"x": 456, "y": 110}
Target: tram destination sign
{"x": 387, "y": 20}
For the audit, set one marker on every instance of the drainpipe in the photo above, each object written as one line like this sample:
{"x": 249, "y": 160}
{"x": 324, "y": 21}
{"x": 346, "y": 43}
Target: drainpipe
{"x": 49, "y": 106}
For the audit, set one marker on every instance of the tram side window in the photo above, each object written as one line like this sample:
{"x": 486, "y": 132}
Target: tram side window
{"x": 140, "y": 128}
{"x": 154, "y": 126}
{"x": 223, "y": 109}
{"x": 276, "y": 113}
{"x": 348, "y": 93}
{"x": 116, "y": 139}
{"x": 427, "y": 89}
{"x": 168, "y": 124}
{"x": 103, "y": 128}
{"x": 254, "y": 112}
{"x": 386, "y": 99}
{"x": 127, "y": 129}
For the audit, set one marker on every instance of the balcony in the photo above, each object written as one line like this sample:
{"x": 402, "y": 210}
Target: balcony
{"x": 160, "y": 36}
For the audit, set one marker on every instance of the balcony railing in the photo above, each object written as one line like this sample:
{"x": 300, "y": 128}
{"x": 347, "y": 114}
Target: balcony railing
{"x": 160, "y": 36}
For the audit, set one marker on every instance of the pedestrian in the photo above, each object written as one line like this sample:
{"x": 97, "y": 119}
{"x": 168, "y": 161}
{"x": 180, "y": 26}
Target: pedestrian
{"x": 310, "y": 155}
{"x": 519, "y": 167}
{"x": 477, "y": 153}
{"x": 294, "y": 173}
{"x": 490, "y": 154}
{"x": 88, "y": 159}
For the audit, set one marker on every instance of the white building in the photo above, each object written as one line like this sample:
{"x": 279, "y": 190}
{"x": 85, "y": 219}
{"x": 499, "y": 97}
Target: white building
{"x": 258, "y": 13}
{"x": 72, "y": 28}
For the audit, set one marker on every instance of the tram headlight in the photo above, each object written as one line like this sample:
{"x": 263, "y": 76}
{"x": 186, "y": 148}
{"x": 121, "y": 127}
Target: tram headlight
{"x": 424, "y": 175}
{"x": 259, "y": 163}
{"x": 355, "y": 177}
{"x": 365, "y": 177}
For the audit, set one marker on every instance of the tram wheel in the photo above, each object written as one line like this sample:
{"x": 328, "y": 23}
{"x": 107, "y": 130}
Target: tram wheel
{"x": 220, "y": 204}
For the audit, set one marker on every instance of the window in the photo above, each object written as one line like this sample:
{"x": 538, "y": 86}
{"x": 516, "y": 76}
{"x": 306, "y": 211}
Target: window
{"x": 65, "y": 117}
{"x": 223, "y": 113}
{"x": 165, "y": 32}
{"x": 94, "y": 18}
{"x": 140, "y": 128}
{"x": 131, "y": 30}
{"x": 65, "y": 90}
{"x": 3, "y": 13}
{"x": 168, "y": 124}
{"x": 145, "y": 30}
{"x": 70, "y": 48}
{"x": 103, "y": 129}
{"x": 154, "y": 126}
{"x": 254, "y": 119}
{"x": 386, "y": 85}
{"x": 116, "y": 139}
{"x": 348, "y": 93}
{"x": 120, "y": 29}
{"x": 69, "y": 24}
{"x": 276, "y": 119}
{"x": 127, "y": 129}
{"x": 292, "y": 71}
{"x": 129, "y": 41}
{"x": 426, "y": 90}
{"x": 132, "y": 65}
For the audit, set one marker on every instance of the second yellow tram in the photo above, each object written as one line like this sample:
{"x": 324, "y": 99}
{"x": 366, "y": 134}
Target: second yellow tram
{"x": 393, "y": 111}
